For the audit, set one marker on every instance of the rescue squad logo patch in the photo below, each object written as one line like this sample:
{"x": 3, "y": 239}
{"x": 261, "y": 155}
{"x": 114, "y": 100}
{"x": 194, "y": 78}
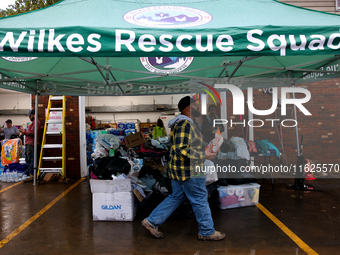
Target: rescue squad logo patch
{"x": 167, "y": 17}
{"x": 166, "y": 64}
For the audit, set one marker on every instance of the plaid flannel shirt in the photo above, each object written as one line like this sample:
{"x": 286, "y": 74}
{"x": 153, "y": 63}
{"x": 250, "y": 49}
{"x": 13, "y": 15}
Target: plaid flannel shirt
{"x": 186, "y": 151}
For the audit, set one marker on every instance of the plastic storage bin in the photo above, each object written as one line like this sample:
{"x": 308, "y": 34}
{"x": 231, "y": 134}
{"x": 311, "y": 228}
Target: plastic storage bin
{"x": 233, "y": 196}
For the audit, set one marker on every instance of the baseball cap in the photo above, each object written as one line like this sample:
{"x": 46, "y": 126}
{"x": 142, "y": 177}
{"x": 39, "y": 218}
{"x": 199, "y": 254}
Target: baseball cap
{"x": 8, "y": 121}
{"x": 184, "y": 102}
{"x": 31, "y": 112}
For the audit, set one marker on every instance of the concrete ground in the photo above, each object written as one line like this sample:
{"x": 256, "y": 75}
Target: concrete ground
{"x": 55, "y": 218}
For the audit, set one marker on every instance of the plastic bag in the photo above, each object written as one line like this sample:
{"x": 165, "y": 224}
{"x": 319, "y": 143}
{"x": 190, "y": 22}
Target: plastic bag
{"x": 211, "y": 173}
{"x": 99, "y": 153}
{"x": 11, "y": 151}
{"x": 108, "y": 141}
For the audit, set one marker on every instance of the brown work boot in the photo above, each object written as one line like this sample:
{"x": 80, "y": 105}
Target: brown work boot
{"x": 154, "y": 231}
{"x": 214, "y": 237}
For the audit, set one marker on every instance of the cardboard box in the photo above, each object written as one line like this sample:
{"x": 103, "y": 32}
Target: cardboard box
{"x": 110, "y": 186}
{"x": 134, "y": 140}
{"x": 238, "y": 195}
{"x": 119, "y": 206}
{"x": 113, "y": 200}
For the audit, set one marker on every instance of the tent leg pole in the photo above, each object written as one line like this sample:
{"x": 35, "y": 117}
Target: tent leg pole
{"x": 35, "y": 140}
{"x": 224, "y": 112}
{"x": 296, "y": 129}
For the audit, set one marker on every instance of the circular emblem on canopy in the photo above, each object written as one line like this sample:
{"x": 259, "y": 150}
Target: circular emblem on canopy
{"x": 166, "y": 64}
{"x": 167, "y": 16}
{"x": 19, "y": 59}
{"x": 50, "y": 88}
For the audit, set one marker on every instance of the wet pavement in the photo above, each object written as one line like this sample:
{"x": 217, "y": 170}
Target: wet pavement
{"x": 44, "y": 220}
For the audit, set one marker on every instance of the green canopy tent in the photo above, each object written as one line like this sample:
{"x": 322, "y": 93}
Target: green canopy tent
{"x": 137, "y": 47}
{"x": 119, "y": 47}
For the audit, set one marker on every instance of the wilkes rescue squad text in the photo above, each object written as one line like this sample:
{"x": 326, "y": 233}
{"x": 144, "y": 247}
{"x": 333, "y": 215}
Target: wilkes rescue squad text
{"x": 51, "y": 41}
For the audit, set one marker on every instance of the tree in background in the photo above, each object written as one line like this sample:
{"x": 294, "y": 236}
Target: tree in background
{"x": 22, "y": 6}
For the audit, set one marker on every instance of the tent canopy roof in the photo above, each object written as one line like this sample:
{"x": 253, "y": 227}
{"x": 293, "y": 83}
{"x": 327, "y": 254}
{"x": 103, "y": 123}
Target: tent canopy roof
{"x": 127, "y": 47}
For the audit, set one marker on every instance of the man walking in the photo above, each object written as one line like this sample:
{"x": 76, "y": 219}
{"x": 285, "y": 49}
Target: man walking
{"x": 186, "y": 152}
{"x": 29, "y": 144}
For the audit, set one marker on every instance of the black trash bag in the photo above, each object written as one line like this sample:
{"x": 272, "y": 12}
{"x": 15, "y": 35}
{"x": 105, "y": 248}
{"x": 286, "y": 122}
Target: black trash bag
{"x": 148, "y": 170}
{"x": 148, "y": 204}
{"x": 227, "y": 146}
{"x": 212, "y": 189}
{"x": 162, "y": 188}
{"x": 213, "y": 195}
{"x": 160, "y": 191}
{"x": 222, "y": 182}
{"x": 103, "y": 168}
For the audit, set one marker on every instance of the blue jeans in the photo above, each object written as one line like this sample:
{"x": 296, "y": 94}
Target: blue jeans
{"x": 194, "y": 189}
{"x": 29, "y": 157}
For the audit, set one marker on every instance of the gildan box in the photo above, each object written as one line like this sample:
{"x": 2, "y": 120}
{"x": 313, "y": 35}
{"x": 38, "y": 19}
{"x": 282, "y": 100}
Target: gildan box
{"x": 112, "y": 200}
{"x": 134, "y": 140}
{"x": 119, "y": 206}
{"x": 110, "y": 186}
{"x": 238, "y": 195}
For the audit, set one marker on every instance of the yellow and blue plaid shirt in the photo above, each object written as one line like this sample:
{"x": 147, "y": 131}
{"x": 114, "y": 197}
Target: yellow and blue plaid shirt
{"x": 186, "y": 150}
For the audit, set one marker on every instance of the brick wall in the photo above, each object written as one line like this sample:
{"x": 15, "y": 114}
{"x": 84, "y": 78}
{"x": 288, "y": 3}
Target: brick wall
{"x": 72, "y": 134}
{"x": 320, "y": 131}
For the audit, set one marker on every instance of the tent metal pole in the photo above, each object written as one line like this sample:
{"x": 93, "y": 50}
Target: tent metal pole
{"x": 295, "y": 118}
{"x": 116, "y": 83}
{"x": 106, "y": 79}
{"x": 224, "y": 112}
{"x": 100, "y": 71}
{"x": 235, "y": 70}
{"x": 35, "y": 137}
{"x": 224, "y": 67}
{"x": 108, "y": 73}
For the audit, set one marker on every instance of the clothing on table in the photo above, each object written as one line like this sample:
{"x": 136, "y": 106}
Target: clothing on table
{"x": 252, "y": 146}
{"x": 241, "y": 147}
{"x": 271, "y": 146}
{"x": 227, "y": 146}
{"x": 264, "y": 146}
{"x": 10, "y": 131}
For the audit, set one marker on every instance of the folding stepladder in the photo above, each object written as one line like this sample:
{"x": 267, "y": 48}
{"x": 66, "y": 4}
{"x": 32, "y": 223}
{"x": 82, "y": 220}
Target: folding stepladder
{"x": 56, "y": 131}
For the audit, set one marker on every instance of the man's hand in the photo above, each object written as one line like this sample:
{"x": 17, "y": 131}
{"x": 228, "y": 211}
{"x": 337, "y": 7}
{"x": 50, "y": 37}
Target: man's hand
{"x": 210, "y": 155}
